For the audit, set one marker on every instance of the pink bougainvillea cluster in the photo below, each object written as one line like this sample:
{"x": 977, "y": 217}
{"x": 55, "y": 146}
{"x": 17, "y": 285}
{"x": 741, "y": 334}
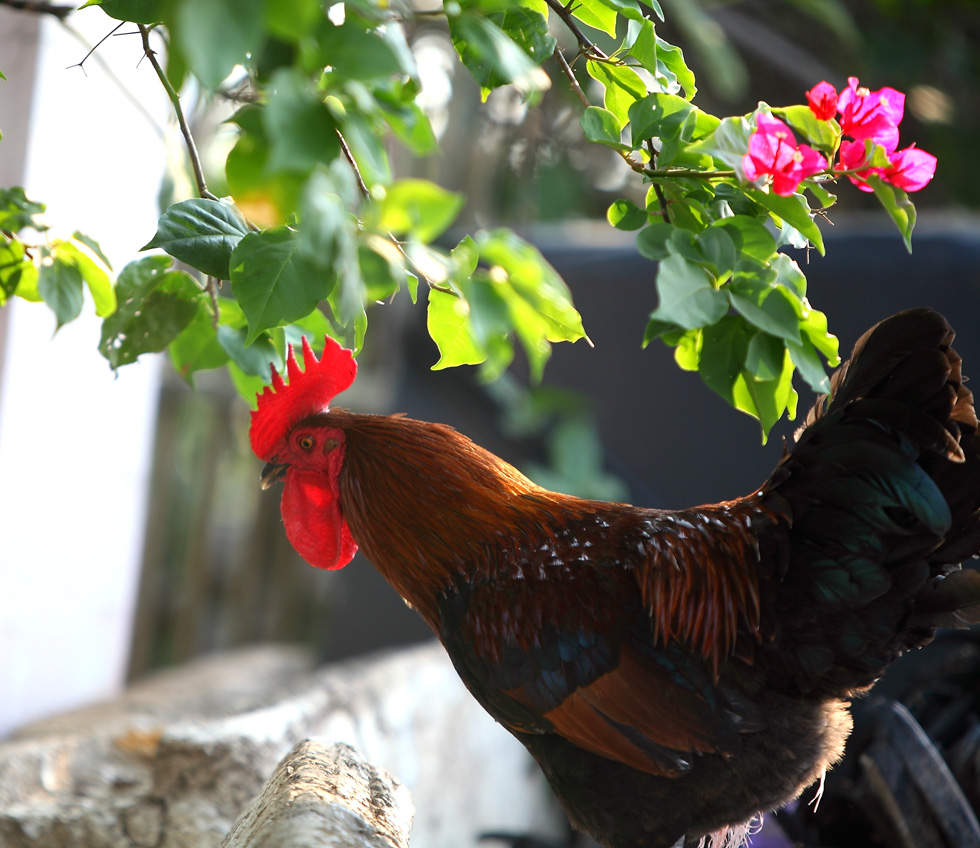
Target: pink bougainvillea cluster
{"x": 873, "y": 116}
{"x": 864, "y": 116}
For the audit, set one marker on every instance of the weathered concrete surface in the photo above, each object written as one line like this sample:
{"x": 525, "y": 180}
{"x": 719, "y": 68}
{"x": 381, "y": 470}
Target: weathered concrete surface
{"x": 175, "y": 760}
{"x": 326, "y": 795}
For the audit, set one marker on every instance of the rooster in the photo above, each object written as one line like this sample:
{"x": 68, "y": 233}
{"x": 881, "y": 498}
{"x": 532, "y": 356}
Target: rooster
{"x": 674, "y": 673}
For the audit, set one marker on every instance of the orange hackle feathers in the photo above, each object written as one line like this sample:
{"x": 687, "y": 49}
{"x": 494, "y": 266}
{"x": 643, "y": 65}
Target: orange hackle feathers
{"x": 308, "y": 391}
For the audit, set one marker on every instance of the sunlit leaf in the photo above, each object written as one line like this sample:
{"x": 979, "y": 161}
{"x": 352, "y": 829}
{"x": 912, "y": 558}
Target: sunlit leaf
{"x": 137, "y": 11}
{"x": 217, "y": 35}
{"x": 624, "y": 214}
{"x": 603, "y": 127}
{"x": 203, "y": 233}
{"x": 155, "y": 306}
{"x": 60, "y": 284}
{"x": 272, "y": 281}
{"x": 898, "y": 206}
{"x": 447, "y": 320}
{"x": 17, "y": 212}
{"x": 687, "y": 297}
{"x": 794, "y": 210}
{"x": 420, "y": 208}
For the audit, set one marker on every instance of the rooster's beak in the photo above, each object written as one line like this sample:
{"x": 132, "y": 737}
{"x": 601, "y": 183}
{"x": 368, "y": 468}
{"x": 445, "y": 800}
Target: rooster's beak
{"x": 272, "y": 474}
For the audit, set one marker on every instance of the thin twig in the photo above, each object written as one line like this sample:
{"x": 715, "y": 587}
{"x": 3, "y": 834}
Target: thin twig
{"x": 202, "y": 187}
{"x": 586, "y": 47}
{"x": 567, "y": 70}
{"x": 98, "y": 44}
{"x": 350, "y": 159}
{"x": 657, "y": 188}
{"x": 366, "y": 192}
{"x": 687, "y": 173}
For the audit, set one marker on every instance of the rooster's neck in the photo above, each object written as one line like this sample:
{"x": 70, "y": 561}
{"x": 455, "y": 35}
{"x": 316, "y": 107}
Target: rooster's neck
{"x": 427, "y": 506}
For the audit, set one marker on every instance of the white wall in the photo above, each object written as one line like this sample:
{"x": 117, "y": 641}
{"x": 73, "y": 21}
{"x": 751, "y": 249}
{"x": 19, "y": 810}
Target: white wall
{"x": 75, "y": 442}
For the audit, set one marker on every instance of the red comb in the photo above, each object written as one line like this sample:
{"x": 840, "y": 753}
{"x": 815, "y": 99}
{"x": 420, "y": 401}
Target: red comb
{"x": 308, "y": 391}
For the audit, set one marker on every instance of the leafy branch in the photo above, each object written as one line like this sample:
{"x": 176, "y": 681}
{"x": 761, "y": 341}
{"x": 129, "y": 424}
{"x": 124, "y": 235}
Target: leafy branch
{"x": 317, "y": 225}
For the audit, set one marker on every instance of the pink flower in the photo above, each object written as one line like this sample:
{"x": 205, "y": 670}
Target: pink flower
{"x": 823, "y": 101}
{"x": 773, "y": 151}
{"x": 853, "y": 156}
{"x": 871, "y": 114}
{"x": 910, "y": 169}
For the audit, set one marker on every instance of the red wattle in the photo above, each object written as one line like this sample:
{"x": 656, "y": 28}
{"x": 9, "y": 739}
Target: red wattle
{"x": 314, "y": 522}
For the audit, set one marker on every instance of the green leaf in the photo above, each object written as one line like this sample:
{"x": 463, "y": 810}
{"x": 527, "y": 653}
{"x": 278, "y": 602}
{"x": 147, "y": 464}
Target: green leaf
{"x": 823, "y": 134}
{"x": 248, "y": 386}
{"x": 18, "y": 273}
{"x": 60, "y": 285}
{"x": 808, "y": 362}
{"x": 273, "y": 283}
{"x": 727, "y": 143}
{"x": 411, "y": 126}
{"x": 203, "y": 233}
{"x": 299, "y": 126}
{"x": 354, "y": 53}
{"x": 717, "y": 251}
{"x": 670, "y": 61}
{"x": 137, "y": 11}
{"x": 492, "y": 56}
{"x": 622, "y": 86}
{"x": 94, "y": 274}
{"x": 602, "y": 127}
{"x": 631, "y": 9}
{"x": 324, "y": 222}
{"x": 537, "y": 299}
{"x": 420, "y": 208}
{"x": 17, "y": 212}
{"x": 597, "y": 14}
{"x": 814, "y": 327}
{"x": 624, "y": 214}
{"x": 217, "y": 35}
{"x": 765, "y": 306}
{"x": 687, "y": 297}
{"x": 652, "y": 240}
{"x": 196, "y": 347}
{"x": 641, "y": 43}
{"x": 794, "y": 210}
{"x": 265, "y": 197}
{"x": 658, "y": 116}
{"x": 254, "y": 358}
{"x": 448, "y": 322}
{"x": 292, "y": 20}
{"x": 725, "y": 349}
{"x": 898, "y": 206}
{"x": 750, "y": 236}
{"x": 155, "y": 305}
{"x": 92, "y": 245}
{"x": 765, "y": 357}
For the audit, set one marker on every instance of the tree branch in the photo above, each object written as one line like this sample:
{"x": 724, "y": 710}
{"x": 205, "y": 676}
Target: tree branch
{"x": 586, "y": 47}
{"x": 40, "y": 8}
{"x": 202, "y": 188}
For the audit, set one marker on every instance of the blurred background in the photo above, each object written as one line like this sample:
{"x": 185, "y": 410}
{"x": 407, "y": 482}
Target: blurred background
{"x": 133, "y": 534}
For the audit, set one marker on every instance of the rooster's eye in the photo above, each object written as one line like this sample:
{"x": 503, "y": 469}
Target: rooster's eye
{"x": 306, "y": 443}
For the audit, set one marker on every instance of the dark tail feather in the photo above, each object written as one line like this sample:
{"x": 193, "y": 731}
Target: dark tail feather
{"x": 884, "y": 489}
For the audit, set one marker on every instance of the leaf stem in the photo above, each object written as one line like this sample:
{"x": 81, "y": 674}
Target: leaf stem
{"x": 202, "y": 188}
